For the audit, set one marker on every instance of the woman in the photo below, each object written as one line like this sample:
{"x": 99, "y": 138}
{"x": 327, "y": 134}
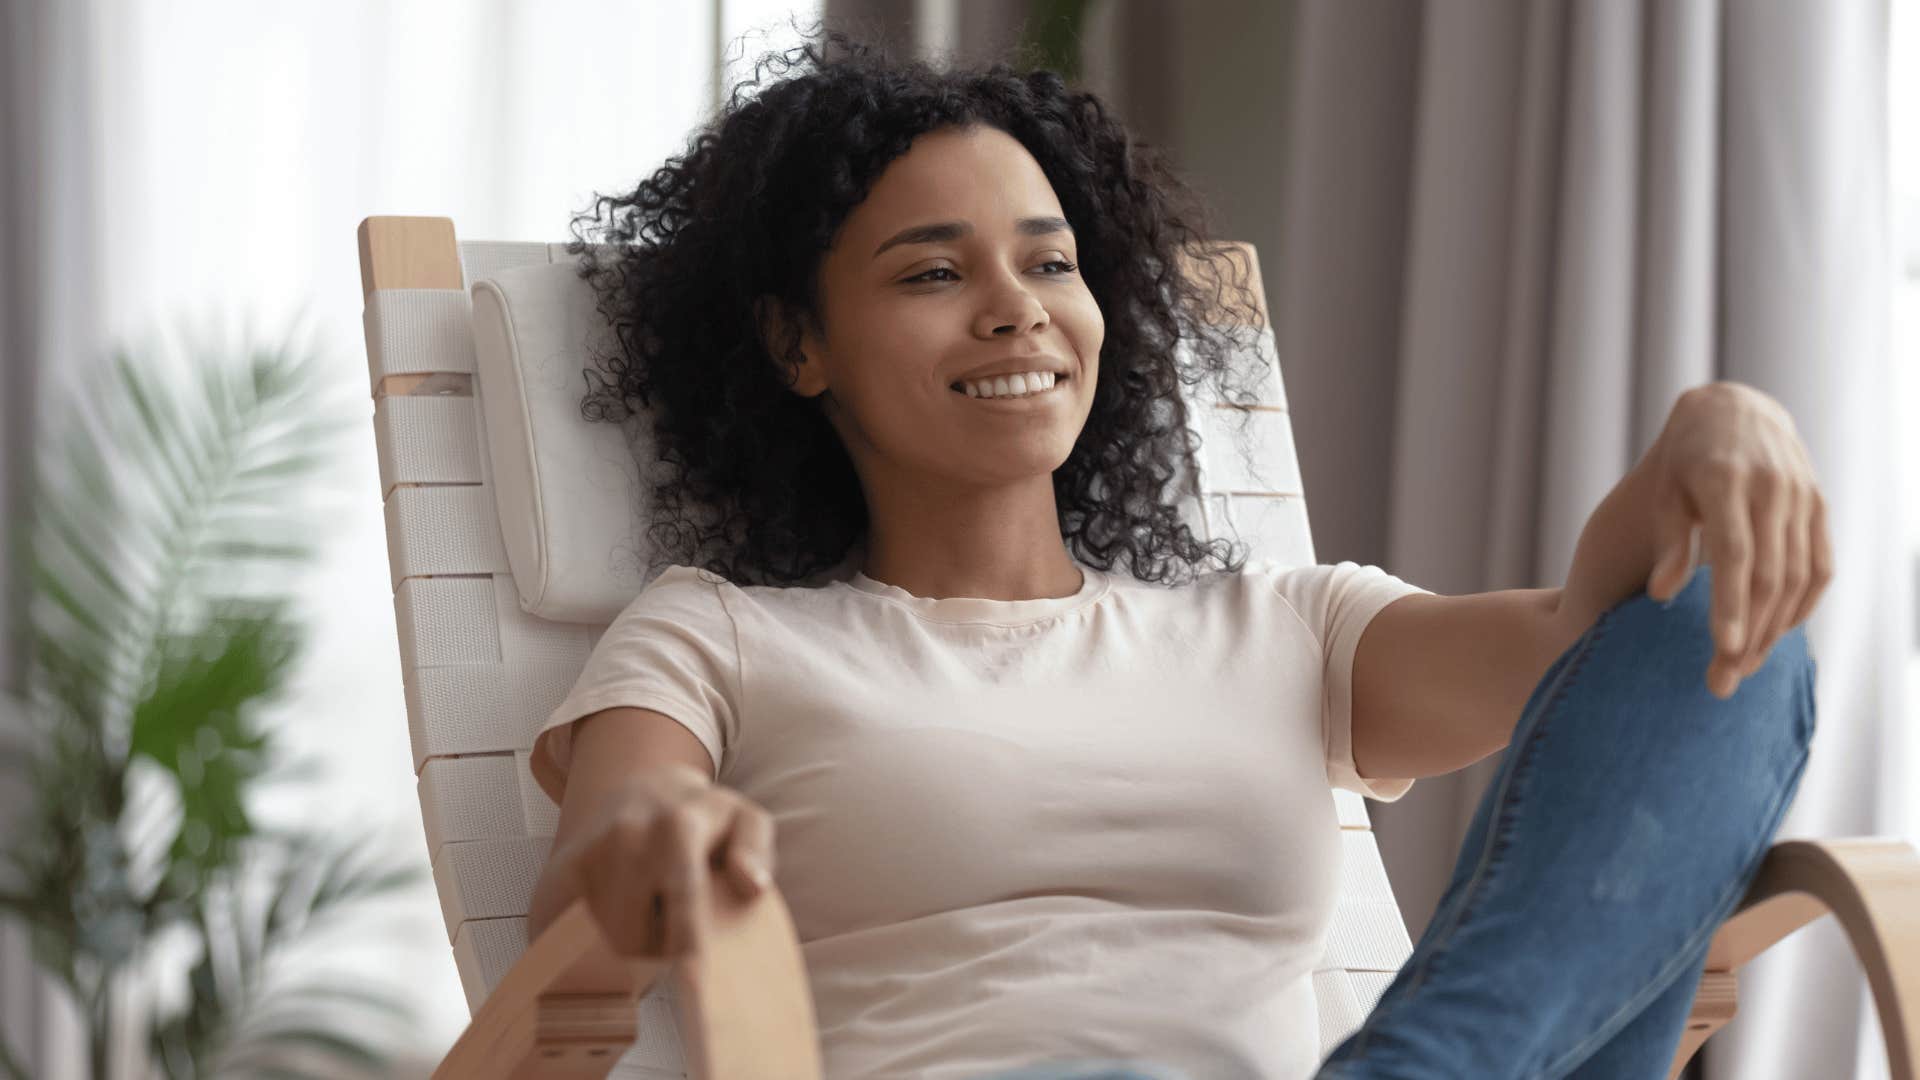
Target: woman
{"x": 907, "y": 343}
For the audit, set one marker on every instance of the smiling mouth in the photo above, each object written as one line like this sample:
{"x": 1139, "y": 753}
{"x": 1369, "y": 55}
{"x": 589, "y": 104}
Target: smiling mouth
{"x": 1058, "y": 380}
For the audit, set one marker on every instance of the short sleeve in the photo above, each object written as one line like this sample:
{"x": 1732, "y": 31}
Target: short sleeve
{"x": 674, "y": 650}
{"x": 1337, "y": 601}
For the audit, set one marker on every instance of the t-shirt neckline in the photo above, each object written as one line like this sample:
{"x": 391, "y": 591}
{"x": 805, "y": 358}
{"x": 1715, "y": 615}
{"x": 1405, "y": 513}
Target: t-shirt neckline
{"x": 976, "y": 609}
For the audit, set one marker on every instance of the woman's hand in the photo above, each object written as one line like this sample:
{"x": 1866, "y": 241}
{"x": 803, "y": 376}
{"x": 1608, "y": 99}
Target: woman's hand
{"x": 1731, "y": 464}
{"x": 648, "y": 857}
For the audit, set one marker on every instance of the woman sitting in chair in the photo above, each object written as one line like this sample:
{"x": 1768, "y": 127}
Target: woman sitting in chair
{"x": 1050, "y": 776}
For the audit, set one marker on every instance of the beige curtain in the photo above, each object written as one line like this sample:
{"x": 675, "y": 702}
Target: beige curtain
{"x": 1499, "y": 238}
{"x": 1514, "y": 260}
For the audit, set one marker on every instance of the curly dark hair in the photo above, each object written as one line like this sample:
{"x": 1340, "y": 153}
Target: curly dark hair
{"x": 750, "y": 209}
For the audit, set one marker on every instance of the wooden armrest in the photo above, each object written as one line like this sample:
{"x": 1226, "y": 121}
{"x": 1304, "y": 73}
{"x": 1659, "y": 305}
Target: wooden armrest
{"x": 1872, "y": 885}
{"x": 568, "y": 1008}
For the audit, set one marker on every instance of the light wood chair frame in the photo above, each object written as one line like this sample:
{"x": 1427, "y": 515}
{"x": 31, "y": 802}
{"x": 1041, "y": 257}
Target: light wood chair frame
{"x": 566, "y": 1007}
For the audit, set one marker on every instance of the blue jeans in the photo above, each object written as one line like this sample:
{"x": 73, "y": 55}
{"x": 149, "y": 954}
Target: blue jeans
{"x": 1631, "y": 812}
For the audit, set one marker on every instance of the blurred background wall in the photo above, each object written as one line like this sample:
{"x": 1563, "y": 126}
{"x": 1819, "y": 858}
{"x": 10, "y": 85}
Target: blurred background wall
{"x": 1496, "y": 238}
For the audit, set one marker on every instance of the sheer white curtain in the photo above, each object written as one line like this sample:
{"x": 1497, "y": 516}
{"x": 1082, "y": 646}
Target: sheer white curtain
{"x": 234, "y": 147}
{"x": 1903, "y": 125}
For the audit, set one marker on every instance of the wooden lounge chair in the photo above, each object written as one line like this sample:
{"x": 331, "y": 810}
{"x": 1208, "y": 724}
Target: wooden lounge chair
{"x": 503, "y": 510}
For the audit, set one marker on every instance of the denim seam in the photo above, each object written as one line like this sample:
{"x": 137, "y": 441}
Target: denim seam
{"x": 1498, "y": 836}
{"x": 1663, "y": 978}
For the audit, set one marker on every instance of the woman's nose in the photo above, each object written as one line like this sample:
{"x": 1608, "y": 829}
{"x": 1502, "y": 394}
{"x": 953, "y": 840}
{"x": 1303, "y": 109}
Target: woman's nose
{"x": 1013, "y": 310}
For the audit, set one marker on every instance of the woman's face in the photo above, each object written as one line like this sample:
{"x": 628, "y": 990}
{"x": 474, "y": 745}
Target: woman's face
{"x": 958, "y": 263}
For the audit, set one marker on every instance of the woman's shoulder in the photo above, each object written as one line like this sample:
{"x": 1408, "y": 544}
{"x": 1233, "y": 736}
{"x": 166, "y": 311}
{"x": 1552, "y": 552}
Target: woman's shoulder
{"x": 681, "y": 578}
{"x": 678, "y": 592}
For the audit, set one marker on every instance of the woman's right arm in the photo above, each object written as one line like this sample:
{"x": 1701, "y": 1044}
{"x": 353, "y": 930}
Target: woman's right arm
{"x": 641, "y": 818}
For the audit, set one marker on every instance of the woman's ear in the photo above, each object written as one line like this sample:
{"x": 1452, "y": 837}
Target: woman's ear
{"x": 784, "y": 339}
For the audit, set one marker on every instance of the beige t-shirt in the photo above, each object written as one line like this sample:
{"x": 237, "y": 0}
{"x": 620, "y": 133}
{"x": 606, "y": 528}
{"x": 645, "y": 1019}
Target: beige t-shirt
{"x": 1092, "y": 826}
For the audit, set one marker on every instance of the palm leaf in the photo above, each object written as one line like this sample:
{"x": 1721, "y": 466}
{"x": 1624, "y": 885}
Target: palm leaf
{"x": 282, "y": 1072}
{"x": 306, "y": 998}
{"x": 164, "y": 515}
{"x": 165, "y": 489}
{"x": 284, "y": 1039}
{"x": 196, "y": 723}
{"x": 240, "y": 1021}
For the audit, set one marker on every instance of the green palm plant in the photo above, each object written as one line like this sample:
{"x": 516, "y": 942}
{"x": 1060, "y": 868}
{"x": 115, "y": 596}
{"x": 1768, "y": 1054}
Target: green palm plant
{"x": 163, "y": 525}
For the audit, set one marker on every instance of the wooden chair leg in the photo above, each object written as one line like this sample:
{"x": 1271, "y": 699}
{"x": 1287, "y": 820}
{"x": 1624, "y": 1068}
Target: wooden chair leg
{"x": 1870, "y": 884}
{"x": 1713, "y": 1006}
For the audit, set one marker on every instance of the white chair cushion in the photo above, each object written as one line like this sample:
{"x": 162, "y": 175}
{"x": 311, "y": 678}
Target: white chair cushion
{"x": 567, "y": 489}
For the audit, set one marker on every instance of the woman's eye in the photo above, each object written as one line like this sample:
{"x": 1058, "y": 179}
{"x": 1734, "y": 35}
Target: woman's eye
{"x": 1065, "y": 268}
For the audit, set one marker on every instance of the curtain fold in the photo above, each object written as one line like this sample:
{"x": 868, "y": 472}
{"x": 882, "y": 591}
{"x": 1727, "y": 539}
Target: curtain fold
{"x": 50, "y": 264}
{"x": 1607, "y": 202}
{"x": 1806, "y": 268}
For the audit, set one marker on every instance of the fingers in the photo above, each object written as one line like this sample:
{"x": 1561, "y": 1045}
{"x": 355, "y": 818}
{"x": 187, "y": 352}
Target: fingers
{"x": 1673, "y": 535}
{"x": 1819, "y": 559}
{"x": 1774, "y": 587}
{"x": 648, "y": 871}
{"x": 1787, "y": 563}
{"x": 1746, "y": 481}
{"x": 1729, "y": 540}
{"x": 1795, "y": 574}
{"x": 690, "y": 834}
{"x": 612, "y": 876}
{"x": 724, "y": 832}
{"x": 749, "y": 849}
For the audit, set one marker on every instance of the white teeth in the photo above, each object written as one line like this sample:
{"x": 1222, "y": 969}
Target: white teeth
{"x": 1020, "y": 384}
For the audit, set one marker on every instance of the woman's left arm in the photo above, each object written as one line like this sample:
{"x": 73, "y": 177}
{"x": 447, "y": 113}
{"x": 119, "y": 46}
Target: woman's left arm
{"x": 1730, "y": 463}
{"x": 1439, "y": 681}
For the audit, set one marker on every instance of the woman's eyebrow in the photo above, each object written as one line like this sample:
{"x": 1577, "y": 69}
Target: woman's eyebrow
{"x": 953, "y": 230}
